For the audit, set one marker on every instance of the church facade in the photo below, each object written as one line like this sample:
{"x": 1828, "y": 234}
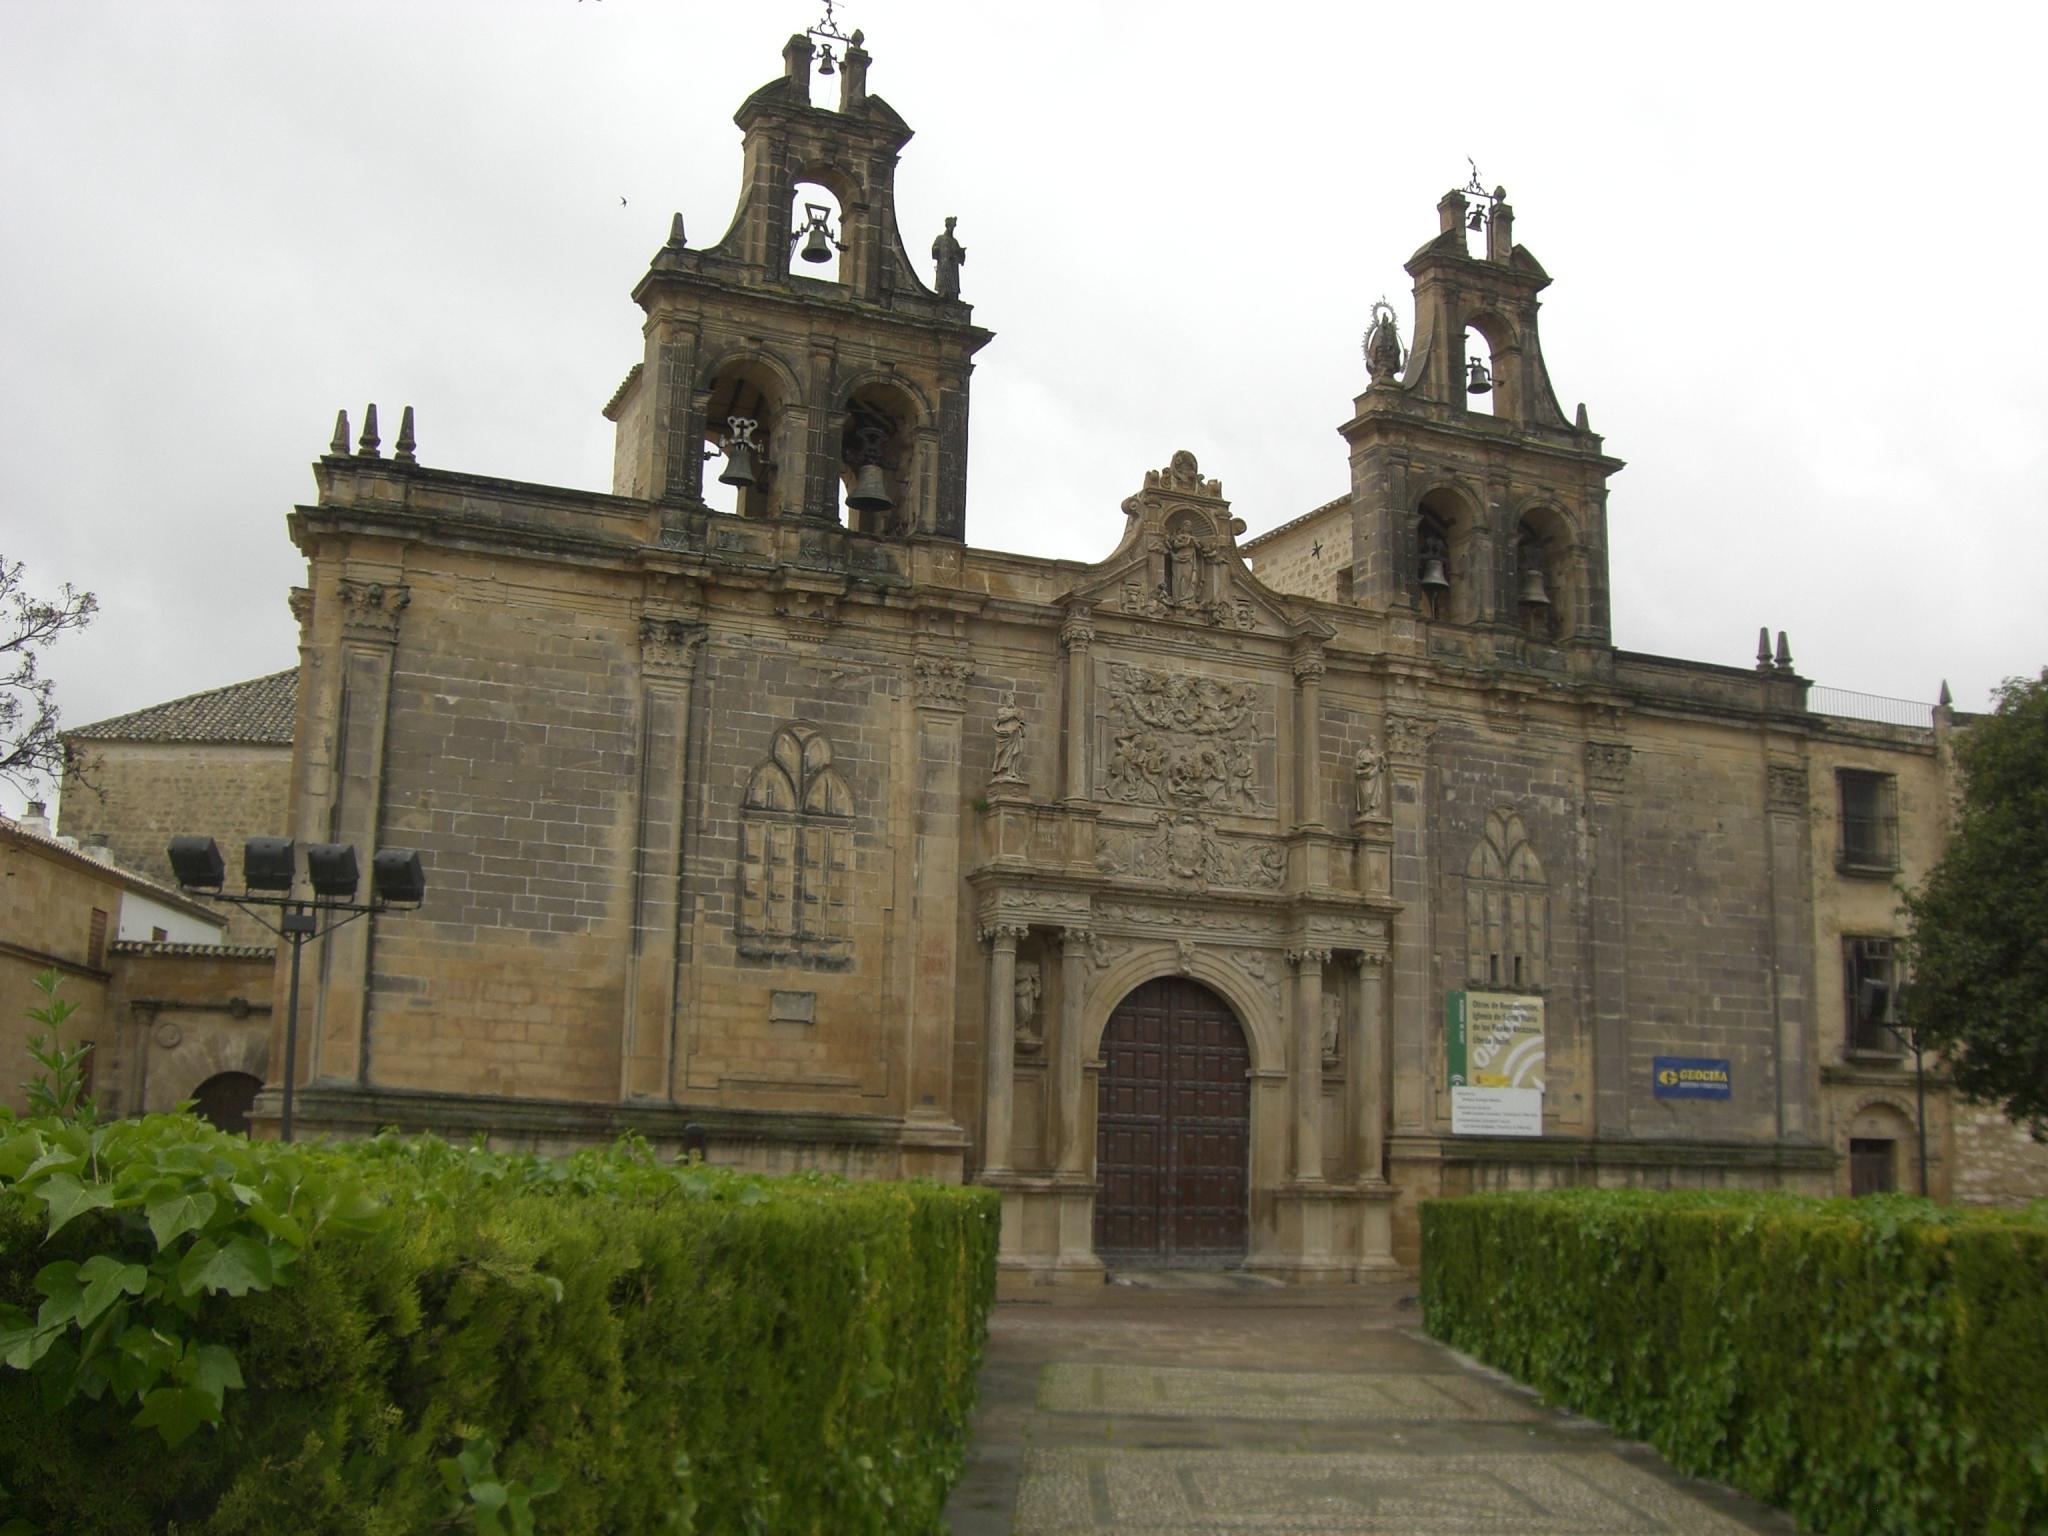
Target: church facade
{"x": 1216, "y": 901}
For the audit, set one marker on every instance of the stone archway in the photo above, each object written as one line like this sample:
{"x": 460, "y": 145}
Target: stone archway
{"x": 1173, "y": 1129}
{"x": 225, "y": 1098}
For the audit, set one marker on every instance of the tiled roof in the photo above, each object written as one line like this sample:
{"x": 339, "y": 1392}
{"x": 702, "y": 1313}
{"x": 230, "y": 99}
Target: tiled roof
{"x": 264, "y": 709}
{"x": 155, "y": 889}
{"x": 1287, "y": 527}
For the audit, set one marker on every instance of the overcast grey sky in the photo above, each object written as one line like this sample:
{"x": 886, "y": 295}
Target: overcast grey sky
{"x": 1796, "y": 250}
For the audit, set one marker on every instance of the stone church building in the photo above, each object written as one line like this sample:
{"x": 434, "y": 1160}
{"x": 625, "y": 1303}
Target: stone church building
{"x": 1199, "y": 898}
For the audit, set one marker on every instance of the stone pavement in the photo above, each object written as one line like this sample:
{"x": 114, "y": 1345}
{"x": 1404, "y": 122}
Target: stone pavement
{"x": 1224, "y": 1405}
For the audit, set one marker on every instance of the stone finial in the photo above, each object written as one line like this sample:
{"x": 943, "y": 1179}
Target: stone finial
{"x": 366, "y": 445}
{"x": 1947, "y": 699}
{"x": 340, "y": 443}
{"x": 1763, "y": 647}
{"x": 675, "y": 233}
{"x": 1784, "y": 662}
{"x": 406, "y": 441}
{"x": 1580, "y": 421}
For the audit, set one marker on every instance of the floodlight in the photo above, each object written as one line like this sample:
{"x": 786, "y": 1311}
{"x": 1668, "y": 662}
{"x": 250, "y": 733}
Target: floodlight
{"x": 267, "y": 863}
{"x": 197, "y": 863}
{"x": 332, "y": 869}
{"x": 396, "y": 876}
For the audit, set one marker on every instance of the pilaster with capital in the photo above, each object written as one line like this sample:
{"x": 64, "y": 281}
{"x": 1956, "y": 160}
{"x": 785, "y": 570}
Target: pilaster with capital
{"x": 1000, "y": 1046}
{"x": 1407, "y": 736}
{"x": 1607, "y": 768}
{"x": 1076, "y": 951}
{"x": 371, "y": 616}
{"x": 1306, "y": 1078}
{"x": 668, "y": 660}
{"x": 1077, "y": 637}
{"x": 935, "y": 770}
{"x": 1367, "y": 1082}
{"x": 1309, "y": 668}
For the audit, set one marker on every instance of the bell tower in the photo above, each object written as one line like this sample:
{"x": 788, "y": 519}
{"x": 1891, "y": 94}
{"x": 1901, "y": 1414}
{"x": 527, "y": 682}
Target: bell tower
{"x": 803, "y": 391}
{"x": 1475, "y": 501}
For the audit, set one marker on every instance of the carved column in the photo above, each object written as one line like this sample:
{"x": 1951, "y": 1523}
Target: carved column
{"x": 370, "y": 613}
{"x": 935, "y": 913}
{"x": 1066, "y": 1062}
{"x": 1308, "y": 735}
{"x": 1307, "y": 1082}
{"x": 1607, "y": 764}
{"x": 1411, "y": 1006}
{"x": 1001, "y": 1045}
{"x": 1367, "y": 1078}
{"x": 1788, "y": 828}
{"x": 668, "y": 660}
{"x": 1077, "y": 634}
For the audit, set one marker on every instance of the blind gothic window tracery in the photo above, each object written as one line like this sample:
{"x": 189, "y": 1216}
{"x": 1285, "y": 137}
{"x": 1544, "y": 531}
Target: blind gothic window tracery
{"x": 796, "y": 851}
{"x": 1507, "y": 908}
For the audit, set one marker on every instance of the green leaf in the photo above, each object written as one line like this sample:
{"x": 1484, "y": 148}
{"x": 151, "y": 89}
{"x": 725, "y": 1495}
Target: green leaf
{"x": 277, "y": 1224}
{"x": 214, "y": 1369}
{"x": 68, "y": 1198}
{"x": 19, "y": 1151}
{"x": 488, "y": 1496}
{"x": 177, "y": 1213}
{"x": 106, "y": 1279}
{"x": 175, "y": 1412}
{"x": 238, "y": 1266}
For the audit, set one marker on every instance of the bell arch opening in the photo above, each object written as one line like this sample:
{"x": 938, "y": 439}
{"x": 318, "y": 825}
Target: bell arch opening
{"x": 743, "y": 413}
{"x": 1444, "y": 571}
{"x": 1173, "y": 1130}
{"x": 817, "y": 233}
{"x": 876, "y": 446}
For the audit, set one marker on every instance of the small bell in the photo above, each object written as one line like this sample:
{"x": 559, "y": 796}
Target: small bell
{"x": 1477, "y": 380}
{"x": 816, "y": 246}
{"x": 739, "y": 467}
{"x": 1433, "y": 579}
{"x": 1535, "y": 593}
{"x": 870, "y": 492}
{"x": 1477, "y": 222}
{"x": 825, "y": 68}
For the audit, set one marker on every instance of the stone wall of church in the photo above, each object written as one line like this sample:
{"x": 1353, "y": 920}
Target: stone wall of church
{"x": 1996, "y": 1161}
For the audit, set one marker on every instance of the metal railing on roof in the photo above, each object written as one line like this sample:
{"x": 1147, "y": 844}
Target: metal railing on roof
{"x": 1869, "y": 706}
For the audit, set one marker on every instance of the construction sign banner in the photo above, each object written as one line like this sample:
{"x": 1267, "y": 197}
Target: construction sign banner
{"x": 1493, "y": 1050}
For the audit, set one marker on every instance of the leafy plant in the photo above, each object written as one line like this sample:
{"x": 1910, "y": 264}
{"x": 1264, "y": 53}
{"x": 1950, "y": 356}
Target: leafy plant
{"x": 58, "y": 1089}
{"x": 480, "y": 1500}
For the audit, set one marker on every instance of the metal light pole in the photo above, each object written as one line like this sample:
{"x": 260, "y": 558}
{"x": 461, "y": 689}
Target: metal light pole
{"x": 269, "y": 872}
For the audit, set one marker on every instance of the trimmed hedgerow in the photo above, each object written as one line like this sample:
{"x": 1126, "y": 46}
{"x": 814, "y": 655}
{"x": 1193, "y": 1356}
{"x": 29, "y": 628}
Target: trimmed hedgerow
{"x": 401, "y": 1336}
{"x": 1872, "y": 1365}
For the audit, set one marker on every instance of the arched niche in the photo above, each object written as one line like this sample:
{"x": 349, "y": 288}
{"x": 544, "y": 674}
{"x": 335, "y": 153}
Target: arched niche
{"x": 819, "y": 240}
{"x": 1490, "y": 341}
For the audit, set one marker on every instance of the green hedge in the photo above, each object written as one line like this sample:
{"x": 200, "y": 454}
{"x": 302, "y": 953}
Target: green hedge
{"x": 400, "y": 1336}
{"x": 1875, "y": 1365}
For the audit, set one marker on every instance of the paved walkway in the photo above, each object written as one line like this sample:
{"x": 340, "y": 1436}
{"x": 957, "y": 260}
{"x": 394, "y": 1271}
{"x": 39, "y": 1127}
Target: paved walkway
{"x": 1222, "y": 1405}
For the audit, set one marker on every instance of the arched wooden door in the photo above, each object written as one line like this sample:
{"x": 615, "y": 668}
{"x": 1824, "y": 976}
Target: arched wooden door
{"x": 1172, "y": 1129}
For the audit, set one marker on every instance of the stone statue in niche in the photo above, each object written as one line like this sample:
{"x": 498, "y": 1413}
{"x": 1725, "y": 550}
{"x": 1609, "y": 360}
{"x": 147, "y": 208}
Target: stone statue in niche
{"x": 1030, "y": 1026}
{"x": 951, "y": 256}
{"x": 1333, "y": 1025}
{"x": 1369, "y": 779}
{"x": 1183, "y": 570}
{"x": 1009, "y": 729}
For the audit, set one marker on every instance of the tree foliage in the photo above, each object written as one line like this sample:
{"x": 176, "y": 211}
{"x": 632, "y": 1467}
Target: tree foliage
{"x": 29, "y": 625}
{"x": 1979, "y": 924}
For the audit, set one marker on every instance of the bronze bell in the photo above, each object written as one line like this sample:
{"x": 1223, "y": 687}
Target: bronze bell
{"x": 1433, "y": 579}
{"x": 1535, "y": 593}
{"x": 870, "y": 492}
{"x": 1477, "y": 381}
{"x": 739, "y": 467}
{"x": 816, "y": 246}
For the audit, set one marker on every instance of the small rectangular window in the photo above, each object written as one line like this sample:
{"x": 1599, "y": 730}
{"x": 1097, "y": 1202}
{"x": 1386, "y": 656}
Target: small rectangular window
{"x": 1870, "y": 997}
{"x": 1873, "y": 1167}
{"x": 1869, "y": 822}
{"x": 159, "y": 935}
{"x": 96, "y": 941}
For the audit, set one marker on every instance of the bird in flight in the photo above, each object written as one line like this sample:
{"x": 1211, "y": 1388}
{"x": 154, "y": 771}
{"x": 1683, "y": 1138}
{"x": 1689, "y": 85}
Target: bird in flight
{"x": 622, "y": 202}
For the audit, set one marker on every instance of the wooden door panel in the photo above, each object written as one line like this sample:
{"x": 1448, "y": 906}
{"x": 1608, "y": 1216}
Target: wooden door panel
{"x": 1173, "y": 1128}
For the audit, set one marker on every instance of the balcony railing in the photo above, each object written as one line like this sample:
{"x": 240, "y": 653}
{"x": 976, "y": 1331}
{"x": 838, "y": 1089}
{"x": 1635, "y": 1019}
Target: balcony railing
{"x": 1875, "y": 707}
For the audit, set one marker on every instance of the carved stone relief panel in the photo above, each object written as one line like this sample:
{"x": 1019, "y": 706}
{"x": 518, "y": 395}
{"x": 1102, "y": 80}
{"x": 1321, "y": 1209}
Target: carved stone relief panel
{"x": 1184, "y": 849}
{"x": 1181, "y": 740}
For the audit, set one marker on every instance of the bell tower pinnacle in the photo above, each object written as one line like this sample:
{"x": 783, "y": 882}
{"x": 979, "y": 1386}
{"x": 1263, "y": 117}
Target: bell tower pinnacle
{"x": 1475, "y": 501}
{"x": 802, "y": 355}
